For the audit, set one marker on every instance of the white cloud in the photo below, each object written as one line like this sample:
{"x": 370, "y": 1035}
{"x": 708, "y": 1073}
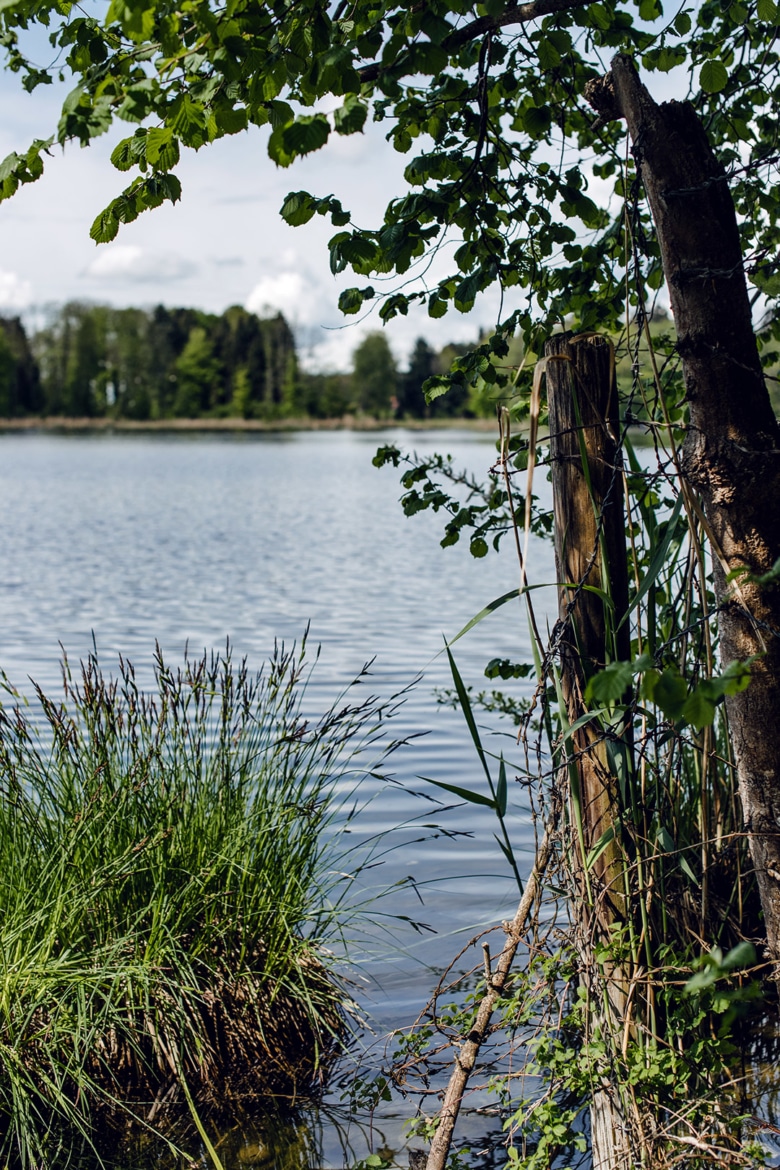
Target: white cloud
{"x": 130, "y": 262}
{"x": 329, "y": 350}
{"x": 15, "y": 293}
{"x": 292, "y": 294}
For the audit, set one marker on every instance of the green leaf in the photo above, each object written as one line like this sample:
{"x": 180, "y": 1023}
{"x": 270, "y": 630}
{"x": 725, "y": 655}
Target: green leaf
{"x": 740, "y": 957}
{"x": 483, "y": 613}
{"x": 434, "y": 387}
{"x": 667, "y": 843}
{"x": 188, "y": 120}
{"x": 466, "y": 292}
{"x": 699, "y": 710}
{"x": 501, "y": 789}
{"x": 713, "y": 77}
{"x": 468, "y": 714}
{"x": 667, "y": 690}
{"x": 767, "y": 10}
{"x": 606, "y": 838}
{"x": 105, "y": 227}
{"x": 162, "y": 148}
{"x": 127, "y": 153}
{"x": 611, "y": 683}
{"x": 306, "y": 134}
{"x": 599, "y": 16}
{"x": 463, "y": 793}
{"x": 351, "y": 117}
{"x": 736, "y": 677}
{"x": 766, "y": 280}
{"x": 537, "y": 120}
{"x": 658, "y": 561}
{"x": 352, "y": 300}
{"x": 549, "y": 57}
{"x": 277, "y": 150}
{"x": 298, "y": 208}
{"x": 231, "y": 119}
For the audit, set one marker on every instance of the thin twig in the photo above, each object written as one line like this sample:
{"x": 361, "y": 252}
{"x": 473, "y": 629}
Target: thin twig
{"x": 466, "y": 1057}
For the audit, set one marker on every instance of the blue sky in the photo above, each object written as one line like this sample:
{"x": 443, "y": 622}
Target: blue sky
{"x": 223, "y": 244}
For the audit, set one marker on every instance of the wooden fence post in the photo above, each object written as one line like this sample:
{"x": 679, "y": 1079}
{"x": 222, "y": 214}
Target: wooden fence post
{"x": 591, "y": 564}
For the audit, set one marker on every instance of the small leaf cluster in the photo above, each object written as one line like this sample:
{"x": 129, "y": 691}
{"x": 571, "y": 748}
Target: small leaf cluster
{"x": 479, "y": 509}
{"x": 666, "y": 688}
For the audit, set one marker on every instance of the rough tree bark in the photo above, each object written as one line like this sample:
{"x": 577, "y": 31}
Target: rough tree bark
{"x": 732, "y": 453}
{"x": 590, "y": 559}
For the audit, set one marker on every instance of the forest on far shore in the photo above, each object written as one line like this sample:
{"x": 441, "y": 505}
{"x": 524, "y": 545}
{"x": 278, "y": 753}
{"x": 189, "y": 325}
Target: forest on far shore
{"x": 95, "y": 361}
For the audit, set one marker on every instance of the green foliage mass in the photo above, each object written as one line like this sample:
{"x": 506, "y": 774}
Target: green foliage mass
{"x": 130, "y": 363}
{"x": 375, "y": 375}
{"x": 20, "y": 383}
{"x": 94, "y": 361}
{"x": 507, "y": 165}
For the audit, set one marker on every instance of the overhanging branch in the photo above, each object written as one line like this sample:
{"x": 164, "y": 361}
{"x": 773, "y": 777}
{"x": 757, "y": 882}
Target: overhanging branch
{"x": 519, "y": 14}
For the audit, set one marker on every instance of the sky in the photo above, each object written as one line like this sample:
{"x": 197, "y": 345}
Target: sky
{"x": 223, "y": 244}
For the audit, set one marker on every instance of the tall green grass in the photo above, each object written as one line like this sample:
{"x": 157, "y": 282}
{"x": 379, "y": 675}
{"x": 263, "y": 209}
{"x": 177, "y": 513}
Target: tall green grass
{"x": 170, "y": 876}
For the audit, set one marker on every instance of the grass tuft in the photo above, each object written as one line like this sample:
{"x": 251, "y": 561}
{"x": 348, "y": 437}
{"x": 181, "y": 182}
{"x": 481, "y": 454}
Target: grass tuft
{"x": 170, "y": 875}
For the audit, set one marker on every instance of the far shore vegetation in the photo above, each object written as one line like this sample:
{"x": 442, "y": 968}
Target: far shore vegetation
{"x": 161, "y": 365}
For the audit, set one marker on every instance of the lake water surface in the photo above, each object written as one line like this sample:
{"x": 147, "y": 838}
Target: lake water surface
{"x": 192, "y": 540}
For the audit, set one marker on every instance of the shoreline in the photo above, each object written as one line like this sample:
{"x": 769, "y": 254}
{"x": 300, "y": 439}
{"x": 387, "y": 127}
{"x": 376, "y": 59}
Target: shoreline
{"x": 63, "y": 425}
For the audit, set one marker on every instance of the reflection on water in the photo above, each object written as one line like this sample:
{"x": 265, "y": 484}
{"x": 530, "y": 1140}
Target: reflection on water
{"x": 297, "y": 1142}
{"x": 277, "y": 1142}
{"x": 191, "y": 540}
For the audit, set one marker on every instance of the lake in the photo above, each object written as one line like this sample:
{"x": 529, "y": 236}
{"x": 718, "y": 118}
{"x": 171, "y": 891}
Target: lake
{"x": 194, "y": 539}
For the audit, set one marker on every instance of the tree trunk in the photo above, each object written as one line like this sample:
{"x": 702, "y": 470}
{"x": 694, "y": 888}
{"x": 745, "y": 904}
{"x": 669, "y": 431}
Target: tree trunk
{"x": 590, "y": 557}
{"x": 732, "y": 453}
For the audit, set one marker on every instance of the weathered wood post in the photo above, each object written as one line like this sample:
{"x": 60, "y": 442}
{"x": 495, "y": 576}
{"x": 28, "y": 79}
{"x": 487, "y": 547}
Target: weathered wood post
{"x": 591, "y": 564}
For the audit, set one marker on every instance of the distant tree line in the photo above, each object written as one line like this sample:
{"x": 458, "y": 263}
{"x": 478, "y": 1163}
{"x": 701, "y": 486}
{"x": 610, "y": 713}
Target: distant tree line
{"x": 92, "y": 361}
